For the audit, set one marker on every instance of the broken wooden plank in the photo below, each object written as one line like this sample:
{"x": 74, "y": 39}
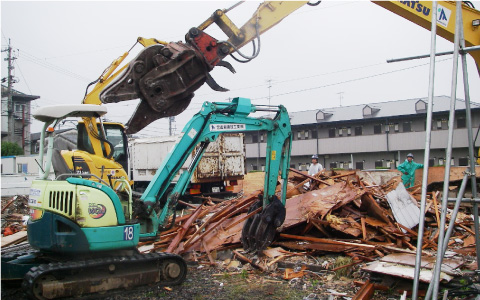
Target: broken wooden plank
{"x": 183, "y": 230}
{"x": 15, "y": 238}
{"x": 291, "y": 273}
{"x": 326, "y": 241}
{"x": 366, "y": 291}
{"x": 246, "y": 259}
{"x": 369, "y": 204}
{"x": 364, "y": 229}
{"x": 318, "y": 203}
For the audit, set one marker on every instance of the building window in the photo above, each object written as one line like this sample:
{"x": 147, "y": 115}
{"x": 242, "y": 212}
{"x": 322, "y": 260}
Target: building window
{"x": 306, "y": 134}
{"x": 333, "y": 165}
{"x": 292, "y": 166}
{"x": 461, "y": 123}
{"x": 261, "y": 137}
{"x": 463, "y": 161}
{"x": 407, "y": 126}
{"x": 431, "y": 162}
{"x": 452, "y": 161}
{"x": 439, "y": 124}
{"x": 299, "y": 135}
{"x": 358, "y": 130}
{"x": 331, "y": 132}
{"x": 349, "y": 130}
{"x": 377, "y": 129}
{"x": 300, "y": 166}
{"x": 254, "y": 167}
{"x": 379, "y": 164}
{"x": 263, "y": 168}
{"x": 359, "y": 165}
{"x": 420, "y": 105}
{"x": 340, "y": 132}
{"x": 396, "y": 127}
{"x": 440, "y": 161}
{"x": 18, "y": 107}
{"x": 22, "y": 168}
{"x": 254, "y": 138}
{"x": 314, "y": 134}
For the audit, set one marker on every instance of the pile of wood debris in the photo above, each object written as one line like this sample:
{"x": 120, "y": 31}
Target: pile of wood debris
{"x": 364, "y": 215}
{"x": 367, "y": 216}
{"x": 14, "y": 215}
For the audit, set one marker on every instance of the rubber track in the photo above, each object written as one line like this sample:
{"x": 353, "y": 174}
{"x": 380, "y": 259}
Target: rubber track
{"x": 12, "y": 252}
{"x": 67, "y": 267}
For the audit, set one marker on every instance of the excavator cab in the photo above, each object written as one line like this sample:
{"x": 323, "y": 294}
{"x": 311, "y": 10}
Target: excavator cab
{"x": 102, "y": 152}
{"x": 116, "y": 138}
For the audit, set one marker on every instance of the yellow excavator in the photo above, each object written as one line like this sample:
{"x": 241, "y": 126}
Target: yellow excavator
{"x": 164, "y": 76}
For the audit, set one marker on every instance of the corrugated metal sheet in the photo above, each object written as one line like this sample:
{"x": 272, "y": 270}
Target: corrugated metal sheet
{"x": 405, "y": 211}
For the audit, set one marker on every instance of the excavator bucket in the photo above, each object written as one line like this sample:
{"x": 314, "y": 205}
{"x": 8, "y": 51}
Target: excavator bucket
{"x": 259, "y": 230}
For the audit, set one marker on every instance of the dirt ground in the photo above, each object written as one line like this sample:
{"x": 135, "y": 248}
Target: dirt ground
{"x": 205, "y": 283}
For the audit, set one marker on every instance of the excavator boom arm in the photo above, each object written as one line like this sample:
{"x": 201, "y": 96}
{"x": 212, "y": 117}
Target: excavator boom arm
{"x": 203, "y": 128}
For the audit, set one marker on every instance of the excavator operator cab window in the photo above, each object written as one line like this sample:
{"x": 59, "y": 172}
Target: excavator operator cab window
{"x": 117, "y": 137}
{"x": 83, "y": 141}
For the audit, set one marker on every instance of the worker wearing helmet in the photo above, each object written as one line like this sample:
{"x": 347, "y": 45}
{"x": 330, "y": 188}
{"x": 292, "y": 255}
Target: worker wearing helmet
{"x": 408, "y": 168}
{"x": 315, "y": 167}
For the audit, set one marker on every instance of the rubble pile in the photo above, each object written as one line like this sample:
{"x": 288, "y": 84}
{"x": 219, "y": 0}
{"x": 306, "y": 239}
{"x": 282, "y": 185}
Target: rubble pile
{"x": 14, "y": 214}
{"x": 338, "y": 223}
{"x": 366, "y": 216}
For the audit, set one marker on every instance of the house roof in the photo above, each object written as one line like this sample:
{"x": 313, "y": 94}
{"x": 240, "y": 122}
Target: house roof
{"x": 36, "y": 135}
{"x": 381, "y": 110}
{"x": 16, "y": 95}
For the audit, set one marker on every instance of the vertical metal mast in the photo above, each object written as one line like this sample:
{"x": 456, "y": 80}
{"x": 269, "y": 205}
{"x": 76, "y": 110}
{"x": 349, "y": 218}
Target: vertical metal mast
{"x": 471, "y": 142}
{"x": 451, "y": 124}
{"x": 431, "y": 85}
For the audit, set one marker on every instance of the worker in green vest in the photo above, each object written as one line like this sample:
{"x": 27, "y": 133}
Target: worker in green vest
{"x": 408, "y": 168}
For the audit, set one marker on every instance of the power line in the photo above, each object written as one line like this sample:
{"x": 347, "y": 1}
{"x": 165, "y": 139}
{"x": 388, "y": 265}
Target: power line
{"x": 24, "y": 80}
{"x": 348, "y": 81}
{"x": 302, "y": 78}
{"x": 88, "y": 52}
{"x": 32, "y": 58}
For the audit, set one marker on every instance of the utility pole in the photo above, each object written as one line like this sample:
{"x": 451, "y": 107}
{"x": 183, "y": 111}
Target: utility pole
{"x": 171, "y": 120}
{"x": 269, "y": 87}
{"x": 341, "y": 97}
{"x": 10, "y": 80}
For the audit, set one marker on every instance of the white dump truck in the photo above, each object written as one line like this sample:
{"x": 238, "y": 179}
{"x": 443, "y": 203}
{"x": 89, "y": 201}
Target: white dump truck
{"x": 219, "y": 170}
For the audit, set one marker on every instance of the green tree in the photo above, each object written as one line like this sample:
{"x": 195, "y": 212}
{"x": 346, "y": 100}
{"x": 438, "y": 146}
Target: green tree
{"x": 9, "y": 148}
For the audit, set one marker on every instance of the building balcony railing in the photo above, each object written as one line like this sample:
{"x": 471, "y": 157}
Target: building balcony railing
{"x": 406, "y": 141}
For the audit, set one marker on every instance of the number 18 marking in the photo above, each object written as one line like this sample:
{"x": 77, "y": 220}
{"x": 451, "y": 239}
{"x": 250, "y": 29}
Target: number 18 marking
{"x": 128, "y": 233}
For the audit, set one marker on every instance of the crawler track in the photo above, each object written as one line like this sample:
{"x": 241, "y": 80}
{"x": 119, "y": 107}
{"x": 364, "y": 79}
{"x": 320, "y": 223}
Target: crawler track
{"x": 75, "y": 278}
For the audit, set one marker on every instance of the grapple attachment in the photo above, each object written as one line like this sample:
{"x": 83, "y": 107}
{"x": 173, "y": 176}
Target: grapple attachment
{"x": 259, "y": 230}
{"x": 163, "y": 77}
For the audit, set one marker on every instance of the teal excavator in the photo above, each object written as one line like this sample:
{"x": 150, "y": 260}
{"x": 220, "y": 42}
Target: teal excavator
{"x": 85, "y": 234}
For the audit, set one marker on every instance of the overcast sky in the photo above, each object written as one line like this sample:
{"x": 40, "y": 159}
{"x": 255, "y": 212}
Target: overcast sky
{"x": 318, "y": 57}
